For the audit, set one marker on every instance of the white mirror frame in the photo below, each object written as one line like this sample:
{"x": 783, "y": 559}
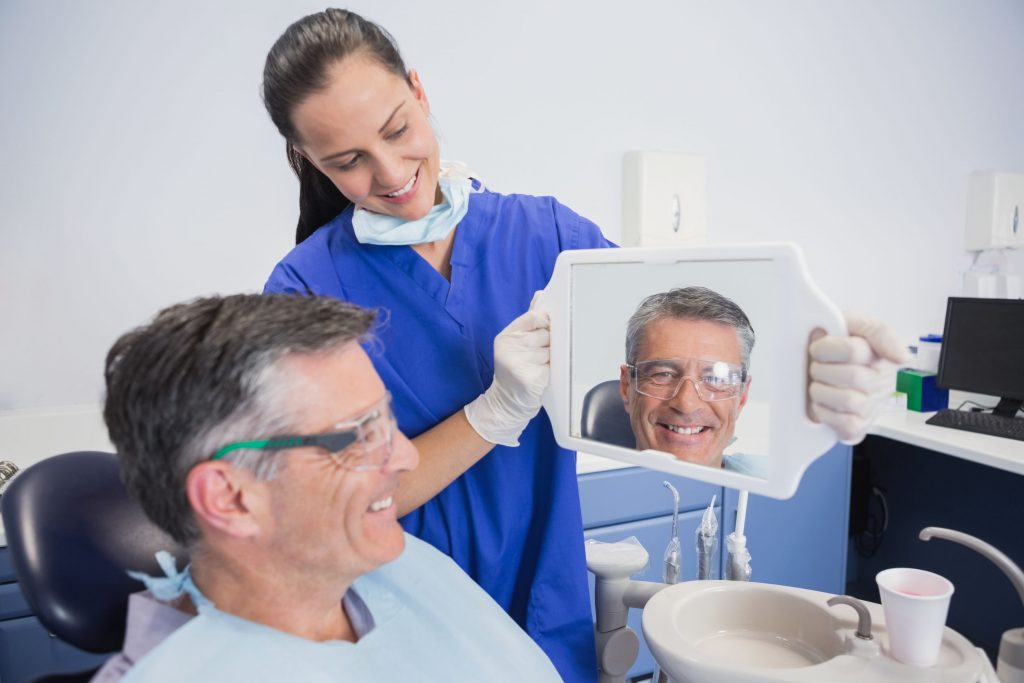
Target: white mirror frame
{"x": 795, "y": 441}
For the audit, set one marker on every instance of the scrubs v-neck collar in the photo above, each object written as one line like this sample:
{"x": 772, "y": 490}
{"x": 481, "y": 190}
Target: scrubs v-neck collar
{"x": 447, "y": 293}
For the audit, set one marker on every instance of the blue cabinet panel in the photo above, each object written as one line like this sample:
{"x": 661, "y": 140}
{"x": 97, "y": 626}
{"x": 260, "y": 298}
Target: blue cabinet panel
{"x": 923, "y": 488}
{"x": 635, "y": 493}
{"x": 6, "y": 570}
{"x": 654, "y": 535}
{"x": 12, "y": 603}
{"x": 801, "y": 541}
{"x": 27, "y": 651}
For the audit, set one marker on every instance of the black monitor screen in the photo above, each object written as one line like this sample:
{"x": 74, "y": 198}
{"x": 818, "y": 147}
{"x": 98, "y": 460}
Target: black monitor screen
{"x": 983, "y": 347}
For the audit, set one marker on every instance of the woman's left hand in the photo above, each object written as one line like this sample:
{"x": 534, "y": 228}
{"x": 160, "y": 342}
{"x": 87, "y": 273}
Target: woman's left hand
{"x": 852, "y": 376}
{"x": 522, "y": 355}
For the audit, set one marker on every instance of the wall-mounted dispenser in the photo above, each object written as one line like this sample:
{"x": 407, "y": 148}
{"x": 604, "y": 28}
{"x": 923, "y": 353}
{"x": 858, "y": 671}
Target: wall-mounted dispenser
{"x": 664, "y": 199}
{"x": 995, "y": 211}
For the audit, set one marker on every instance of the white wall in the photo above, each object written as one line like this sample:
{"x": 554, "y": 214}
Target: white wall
{"x": 138, "y": 167}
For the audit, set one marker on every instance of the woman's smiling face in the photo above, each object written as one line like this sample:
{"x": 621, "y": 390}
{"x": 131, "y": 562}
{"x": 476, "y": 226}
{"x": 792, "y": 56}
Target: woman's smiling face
{"x": 368, "y": 132}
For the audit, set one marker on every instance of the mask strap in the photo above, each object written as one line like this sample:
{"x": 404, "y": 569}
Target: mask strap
{"x": 458, "y": 169}
{"x": 173, "y": 583}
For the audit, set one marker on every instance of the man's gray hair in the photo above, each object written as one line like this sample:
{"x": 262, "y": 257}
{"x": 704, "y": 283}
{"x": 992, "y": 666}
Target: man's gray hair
{"x": 204, "y": 374}
{"x": 689, "y": 303}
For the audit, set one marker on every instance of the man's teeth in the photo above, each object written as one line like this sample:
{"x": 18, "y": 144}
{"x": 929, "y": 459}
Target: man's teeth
{"x": 381, "y": 504}
{"x": 684, "y": 430}
{"x": 408, "y": 186}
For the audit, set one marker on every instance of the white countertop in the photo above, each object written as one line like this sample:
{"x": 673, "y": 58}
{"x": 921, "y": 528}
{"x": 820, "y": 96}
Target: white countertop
{"x": 587, "y": 464}
{"x": 994, "y": 451}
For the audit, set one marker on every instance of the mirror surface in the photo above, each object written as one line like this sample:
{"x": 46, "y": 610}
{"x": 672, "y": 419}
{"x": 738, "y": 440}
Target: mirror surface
{"x": 692, "y": 403}
{"x": 731, "y": 432}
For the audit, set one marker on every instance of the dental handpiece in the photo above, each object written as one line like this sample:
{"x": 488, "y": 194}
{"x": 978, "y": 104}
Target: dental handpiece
{"x": 674, "y": 551}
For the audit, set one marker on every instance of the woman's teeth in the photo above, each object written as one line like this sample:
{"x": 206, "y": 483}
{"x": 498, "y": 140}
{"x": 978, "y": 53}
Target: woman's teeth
{"x": 684, "y": 430}
{"x": 381, "y": 504}
{"x": 408, "y": 186}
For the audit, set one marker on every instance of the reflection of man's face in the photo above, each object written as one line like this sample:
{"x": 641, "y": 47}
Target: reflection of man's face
{"x": 686, "y": 426}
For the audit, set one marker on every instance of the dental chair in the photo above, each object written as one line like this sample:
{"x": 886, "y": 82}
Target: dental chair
{"x": 72, "y": 531}
{"x": 604, "y": 418}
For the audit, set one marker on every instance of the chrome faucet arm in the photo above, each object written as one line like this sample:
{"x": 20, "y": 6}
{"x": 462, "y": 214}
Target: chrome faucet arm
{"x": 863, "y": 616}
{"x": 998, "y": 557}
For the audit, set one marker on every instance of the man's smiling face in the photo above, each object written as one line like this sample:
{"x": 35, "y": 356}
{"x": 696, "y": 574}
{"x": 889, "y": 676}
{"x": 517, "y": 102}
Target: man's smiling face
{"x": 686, "y": 426}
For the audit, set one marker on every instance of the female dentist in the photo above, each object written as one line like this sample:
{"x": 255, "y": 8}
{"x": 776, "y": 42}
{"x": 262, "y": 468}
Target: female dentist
{"x": 384, "y": 223}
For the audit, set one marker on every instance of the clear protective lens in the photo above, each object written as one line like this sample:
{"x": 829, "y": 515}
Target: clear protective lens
{"x": 374, "y": 437}
{"x": 714, "y": 380}
{"x": 360, "y": 444}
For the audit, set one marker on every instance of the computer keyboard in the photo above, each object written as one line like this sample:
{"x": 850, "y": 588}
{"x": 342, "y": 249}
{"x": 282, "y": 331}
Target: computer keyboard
{"x": 982, "y": 423}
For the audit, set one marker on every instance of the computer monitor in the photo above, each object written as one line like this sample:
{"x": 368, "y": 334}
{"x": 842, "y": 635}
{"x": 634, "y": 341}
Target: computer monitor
{"x": 983, "y": 350}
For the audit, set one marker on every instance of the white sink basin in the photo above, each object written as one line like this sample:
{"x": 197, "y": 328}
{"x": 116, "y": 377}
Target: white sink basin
{"x": 736, "y": 632}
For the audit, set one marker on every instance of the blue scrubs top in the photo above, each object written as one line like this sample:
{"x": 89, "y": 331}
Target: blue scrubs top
{"x": 512, "y": 521}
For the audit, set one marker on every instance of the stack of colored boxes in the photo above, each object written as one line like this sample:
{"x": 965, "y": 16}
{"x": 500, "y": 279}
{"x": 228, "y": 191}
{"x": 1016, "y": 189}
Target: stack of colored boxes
{"x": 923, "y": 394}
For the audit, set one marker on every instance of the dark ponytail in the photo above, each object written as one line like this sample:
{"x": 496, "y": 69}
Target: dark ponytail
{"x": 296, "y": 68}
{"x": 319, "y": 200}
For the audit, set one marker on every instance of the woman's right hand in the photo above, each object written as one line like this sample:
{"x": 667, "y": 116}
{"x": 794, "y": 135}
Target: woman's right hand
{"x": 522, "y": 354}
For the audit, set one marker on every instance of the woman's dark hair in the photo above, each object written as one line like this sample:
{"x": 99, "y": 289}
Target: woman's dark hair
{"x": 297, "y": 67}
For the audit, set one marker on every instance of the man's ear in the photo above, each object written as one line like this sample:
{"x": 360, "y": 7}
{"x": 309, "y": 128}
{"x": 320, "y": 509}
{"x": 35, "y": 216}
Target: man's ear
{"x": 226, "y": 498}
{"x": 624, "y": 386}
{"x": 746, "y": 390}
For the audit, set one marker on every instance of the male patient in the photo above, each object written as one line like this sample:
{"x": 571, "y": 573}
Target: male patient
{"x": 255, "y": 431}
{"x": 686, "y": 377}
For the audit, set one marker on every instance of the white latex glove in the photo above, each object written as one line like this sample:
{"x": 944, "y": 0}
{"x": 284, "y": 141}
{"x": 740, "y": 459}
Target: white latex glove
{"x": 852, "y": 376}
{"x": 522, "y": 354}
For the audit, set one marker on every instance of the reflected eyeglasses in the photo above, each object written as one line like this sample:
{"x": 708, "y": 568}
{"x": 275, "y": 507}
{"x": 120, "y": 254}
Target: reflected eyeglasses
{"x": 663, "y": 378}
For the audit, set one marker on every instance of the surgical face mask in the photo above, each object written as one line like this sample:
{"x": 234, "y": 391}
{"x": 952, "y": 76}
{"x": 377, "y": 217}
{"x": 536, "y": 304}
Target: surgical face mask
{"x": 455, "y": 185}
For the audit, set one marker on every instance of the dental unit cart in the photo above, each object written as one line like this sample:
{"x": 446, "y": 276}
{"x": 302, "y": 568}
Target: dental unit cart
{"x": 741, "y": 632}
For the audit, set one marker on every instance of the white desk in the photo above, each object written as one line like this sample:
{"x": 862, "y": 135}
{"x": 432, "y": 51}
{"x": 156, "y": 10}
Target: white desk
{"x": 994, "y": 451}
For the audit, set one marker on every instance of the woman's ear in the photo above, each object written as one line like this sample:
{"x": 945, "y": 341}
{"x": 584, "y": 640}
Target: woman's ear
{"x": 293, "y": 148}
{"x": 225, "y": 498}
{"x": 418, "y": 92}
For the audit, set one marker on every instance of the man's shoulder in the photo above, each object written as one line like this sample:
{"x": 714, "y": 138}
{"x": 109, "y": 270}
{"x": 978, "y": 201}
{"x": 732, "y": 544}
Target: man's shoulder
{"x": 420, "y": 580}
{"x": 417, "y": 556}
{"x": 754, "y": 465}
{"x": 182, "y": 654}
{"x": 215, "y": 647}
{"x": 422, "y": 601}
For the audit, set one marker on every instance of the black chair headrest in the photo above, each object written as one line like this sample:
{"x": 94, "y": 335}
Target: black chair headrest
{"x": 604, "y": 418}
{"x": 73, "y": 531}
